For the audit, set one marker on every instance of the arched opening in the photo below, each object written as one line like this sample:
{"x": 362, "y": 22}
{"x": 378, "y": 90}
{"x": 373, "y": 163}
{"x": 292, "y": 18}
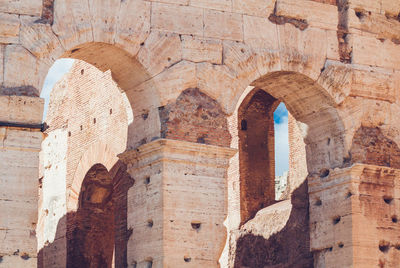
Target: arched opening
{"x": 86, "y": 124}
{"x": 91, "y": 230}
{"x": 276, "y": 232}
{"x": 256, "y": 153}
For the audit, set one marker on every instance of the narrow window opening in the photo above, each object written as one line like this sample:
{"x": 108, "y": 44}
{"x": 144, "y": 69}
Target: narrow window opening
{"x": 281, "y": 127}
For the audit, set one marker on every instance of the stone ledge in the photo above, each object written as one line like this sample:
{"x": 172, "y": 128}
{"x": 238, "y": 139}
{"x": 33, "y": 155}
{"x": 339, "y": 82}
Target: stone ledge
{"x": 342, "y": 176}
{"x": 166, "y": 148}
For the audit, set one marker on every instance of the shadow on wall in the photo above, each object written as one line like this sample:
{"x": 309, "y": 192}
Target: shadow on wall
{"x": 290, "y": 247}
{"x": 97, "y": 232}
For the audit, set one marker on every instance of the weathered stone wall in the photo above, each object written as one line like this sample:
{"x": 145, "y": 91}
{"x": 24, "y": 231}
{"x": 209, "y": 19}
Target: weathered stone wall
{"x": 335, "y": 64}
{"x": 19, "y": 155}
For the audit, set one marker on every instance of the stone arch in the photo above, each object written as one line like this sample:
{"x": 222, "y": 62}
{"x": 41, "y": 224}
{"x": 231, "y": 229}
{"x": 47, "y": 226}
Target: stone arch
{"x": 91, "y": 229}
{"x": 98, "y": 153}
{"x": 316, "y": 112}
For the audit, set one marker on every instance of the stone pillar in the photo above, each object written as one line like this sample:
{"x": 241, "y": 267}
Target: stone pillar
{"x": 20, "y": 140}
{"x": 354, "y": 215}
{"x": 178, "y": 204}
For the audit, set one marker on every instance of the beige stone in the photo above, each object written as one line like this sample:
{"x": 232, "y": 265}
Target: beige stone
{"x": 178, "y": 19}
{"x": 133, "y": 25}
{"x": 224, "y": 5}
{"x": 260, "y": 33}
{"x": 160, "y": 51}
{"x": 21, "y": 109}
{"x": 200, "y": 50}
{"x": 223, "y": 25}
{"x": 9, "y": 28}
{"x": 25, "y": 7}
{"x": 260, "y": 8}
{"x": 316, "y": 14}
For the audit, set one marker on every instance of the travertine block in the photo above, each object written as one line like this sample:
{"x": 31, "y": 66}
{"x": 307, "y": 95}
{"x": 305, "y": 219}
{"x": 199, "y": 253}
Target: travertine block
{"x": 316, "y": 14}
{"x": 224, "y": 5}
{"x": 371, "y": 51}
{"x": 9, "y": 28}
{"x": 178, "y": 19}
{"x": 391, "y": 7}
{"x": 223, "y": 25}
{"x": 373, "y": 6}
{"x": 25, "y": 7}
{"x": 260, "y": 8}
{"x": 16, "y": 59}
{"x": 199, "y": 49}
{"x": 40, "y": 39}
{"x": 21, "y": 109}
{"x": 72, "y": 23}
{"x": 302, "y": 51}
{"x": 104, "y": 19}
{"x": 133, "y": 25}
{"x": 179, "y": 2}
{"x": 260, "y": 33}
{"x": 160, "y": 51}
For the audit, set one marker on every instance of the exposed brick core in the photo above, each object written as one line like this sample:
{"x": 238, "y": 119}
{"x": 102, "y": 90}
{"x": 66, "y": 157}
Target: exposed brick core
{"x": 256, "y": 153}
{"x": 370, "y": 146}
{"x": 345, "y": 49}
{"x": 90, "y": 230}
{"x": 47, "y": 12}
{"x": 195, "y": 117}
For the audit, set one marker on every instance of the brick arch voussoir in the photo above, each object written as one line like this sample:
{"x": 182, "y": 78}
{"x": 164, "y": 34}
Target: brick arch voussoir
{"x": 98, "y": 153}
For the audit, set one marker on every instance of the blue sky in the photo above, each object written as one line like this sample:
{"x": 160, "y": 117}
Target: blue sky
{"x": 56, "y": 72}
{"x": 281, "y": 140}
{"x": 62, "y": 66}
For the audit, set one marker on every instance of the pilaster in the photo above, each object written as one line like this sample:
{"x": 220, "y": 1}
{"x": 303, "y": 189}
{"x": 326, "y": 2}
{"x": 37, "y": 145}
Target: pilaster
{"x": 20, "y": 141}
{"x": 353, "y": 216}
{"x": 178, "y": 203}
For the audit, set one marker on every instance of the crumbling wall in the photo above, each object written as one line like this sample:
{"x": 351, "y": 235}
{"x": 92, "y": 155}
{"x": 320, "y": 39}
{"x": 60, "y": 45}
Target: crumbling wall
{"x": 86, "y": 108}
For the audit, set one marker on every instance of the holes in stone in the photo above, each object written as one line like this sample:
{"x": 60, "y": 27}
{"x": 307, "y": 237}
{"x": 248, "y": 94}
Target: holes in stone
{"x": 94, "y": 120}
{"x": 324, "y": 173}
{"x": 242, "y": 50}
{"x": 329, "y": 141}
{"x": 82, "y": 71}
{"x": 110, "y": 111}
{"x": 142, "y": 44}
{"x": 150, "y": 223}
{"x": 74, "y": 50}
{"x": 202, "y": 139}
{"x": 81, "y": 127}
{"x": 340, "y": 245}
{"x": 69, "y": 133}
{"x": 145, "y": 116}
{"x": 394, "y": 219}
{"x": 397, "y": 246}
{"x": 384, "y": 246}
{"x": 336, "y": 220}
{"x": 196, "y": 225}
{"x": 318, "y": 202}
{"x": 169, "y": 59}
{"x": 349, "y": 194}
{"x": 387, "y": 199}
{"x": 187, "y": 259}
{"x": 147, "y": 180}
{"x": 25, "y": 256}
{"x": 243, "y": 125}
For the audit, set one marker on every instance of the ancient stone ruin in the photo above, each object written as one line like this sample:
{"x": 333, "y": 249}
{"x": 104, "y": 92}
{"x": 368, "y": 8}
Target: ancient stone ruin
{"x": 157, "y": 149}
